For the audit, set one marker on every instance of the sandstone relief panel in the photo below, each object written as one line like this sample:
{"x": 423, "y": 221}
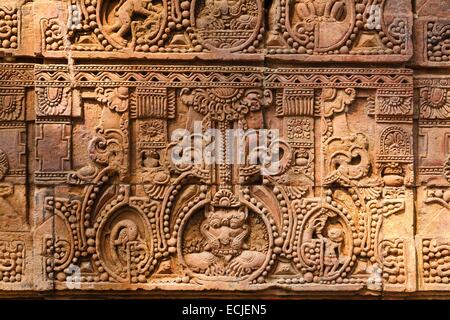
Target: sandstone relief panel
{"x": 263, "y": 147}
{"x": 302, "y": 30}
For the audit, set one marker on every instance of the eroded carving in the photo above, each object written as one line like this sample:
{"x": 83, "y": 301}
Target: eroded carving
{"x": 294, "y": 177}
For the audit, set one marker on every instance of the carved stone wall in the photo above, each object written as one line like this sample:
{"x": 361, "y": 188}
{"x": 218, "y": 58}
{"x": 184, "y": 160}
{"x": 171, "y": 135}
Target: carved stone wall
{"x": 96, "y": 96}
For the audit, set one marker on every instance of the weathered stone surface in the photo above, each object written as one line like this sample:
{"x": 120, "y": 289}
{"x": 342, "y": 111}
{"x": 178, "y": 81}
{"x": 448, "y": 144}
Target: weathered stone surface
{"x": 340, "y": 187}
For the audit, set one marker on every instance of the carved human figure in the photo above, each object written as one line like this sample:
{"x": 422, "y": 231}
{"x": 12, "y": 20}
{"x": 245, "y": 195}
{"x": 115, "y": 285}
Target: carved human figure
{"x": 332, "y": 253}
{"x": 226, "y": 252}
{"x": 320, "y": 10}
{"x": 331, "y": 237}
{"x": 123, "y": 15}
